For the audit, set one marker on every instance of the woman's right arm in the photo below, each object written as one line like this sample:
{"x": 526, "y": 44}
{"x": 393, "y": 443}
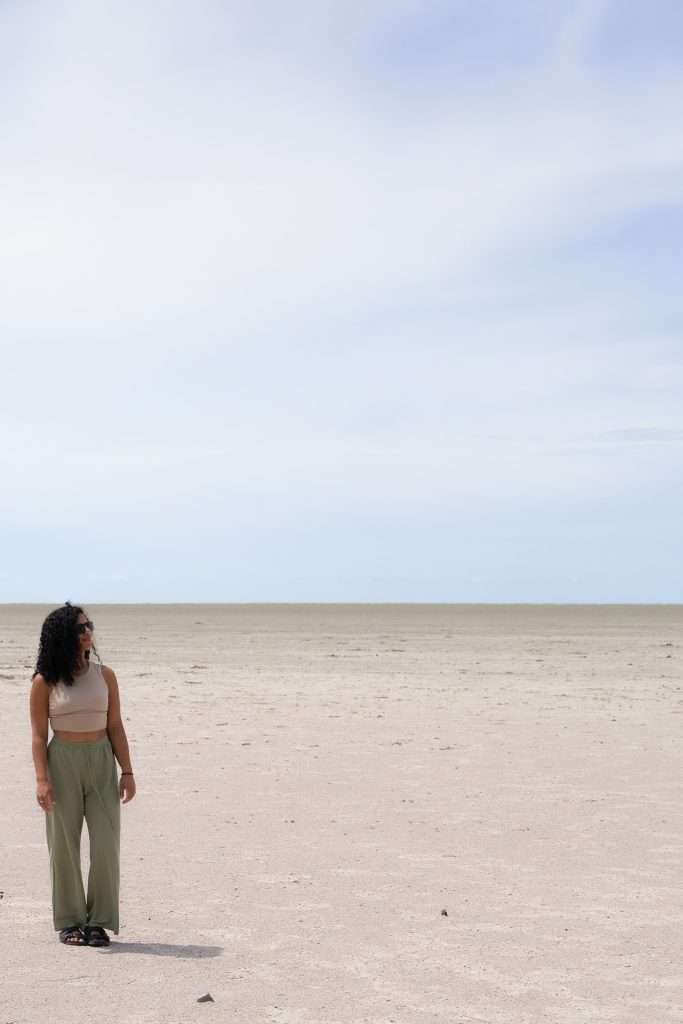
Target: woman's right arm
{"x": 39, "y": 705}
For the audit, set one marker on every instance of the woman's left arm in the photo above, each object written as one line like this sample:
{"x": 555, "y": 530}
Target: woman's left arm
{"x": 118, "y": 738}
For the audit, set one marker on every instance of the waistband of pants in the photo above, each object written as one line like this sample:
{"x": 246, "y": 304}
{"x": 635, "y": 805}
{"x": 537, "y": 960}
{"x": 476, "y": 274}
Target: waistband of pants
{"x": 101, "y": 742}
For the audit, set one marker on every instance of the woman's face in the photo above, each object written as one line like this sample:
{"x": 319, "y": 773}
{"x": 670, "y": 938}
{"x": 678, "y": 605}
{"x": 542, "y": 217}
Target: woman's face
{"x": 84, "y": 635}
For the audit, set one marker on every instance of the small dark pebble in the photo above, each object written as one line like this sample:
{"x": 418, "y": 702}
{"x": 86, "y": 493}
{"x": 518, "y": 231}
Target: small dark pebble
{"x": 444, "y": 913}
{"x": 208, "y": 998}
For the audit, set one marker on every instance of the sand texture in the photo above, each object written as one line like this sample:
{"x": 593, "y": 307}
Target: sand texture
{"x": 317, "y": 784}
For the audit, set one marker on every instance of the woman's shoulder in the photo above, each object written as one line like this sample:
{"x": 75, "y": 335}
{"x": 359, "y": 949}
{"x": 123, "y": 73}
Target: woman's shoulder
{"x": 108, "y": 673}
{"x": 41, "y": 691}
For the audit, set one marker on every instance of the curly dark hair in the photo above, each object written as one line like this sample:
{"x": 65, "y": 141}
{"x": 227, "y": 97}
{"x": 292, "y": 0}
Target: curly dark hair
{"x": 59, "y": 645}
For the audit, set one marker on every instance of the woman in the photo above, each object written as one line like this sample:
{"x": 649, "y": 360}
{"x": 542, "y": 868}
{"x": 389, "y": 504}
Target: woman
{"x": 76, "y": 774}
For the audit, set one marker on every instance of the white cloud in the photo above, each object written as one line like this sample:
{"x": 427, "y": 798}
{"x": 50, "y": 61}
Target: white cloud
{"x": 140, "y": 196}
{"x": 579, "y": 23}
{"x": 236, "y": 269}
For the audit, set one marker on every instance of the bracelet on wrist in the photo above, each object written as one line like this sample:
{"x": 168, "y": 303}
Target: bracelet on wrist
{"x": 127, "y": 773}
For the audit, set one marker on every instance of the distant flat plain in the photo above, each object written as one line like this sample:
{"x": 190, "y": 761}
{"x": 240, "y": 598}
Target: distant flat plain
{"x": 317, "y": 784}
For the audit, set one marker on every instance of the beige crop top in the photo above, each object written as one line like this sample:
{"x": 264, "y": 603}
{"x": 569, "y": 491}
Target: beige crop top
{"x": 83, "y": 706}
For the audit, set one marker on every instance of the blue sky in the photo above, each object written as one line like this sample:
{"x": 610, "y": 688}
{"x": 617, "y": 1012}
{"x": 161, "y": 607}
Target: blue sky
{"x": 334, "y": 302}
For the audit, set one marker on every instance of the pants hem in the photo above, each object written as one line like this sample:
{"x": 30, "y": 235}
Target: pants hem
{"x": 103, "y": 924}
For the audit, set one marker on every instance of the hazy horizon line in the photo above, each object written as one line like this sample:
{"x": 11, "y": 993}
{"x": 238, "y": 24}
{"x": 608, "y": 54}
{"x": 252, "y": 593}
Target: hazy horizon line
{"x": 313, "y": 604}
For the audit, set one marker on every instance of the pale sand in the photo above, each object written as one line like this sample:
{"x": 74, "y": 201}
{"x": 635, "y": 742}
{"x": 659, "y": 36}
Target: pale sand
{"x": 317, "y": 783}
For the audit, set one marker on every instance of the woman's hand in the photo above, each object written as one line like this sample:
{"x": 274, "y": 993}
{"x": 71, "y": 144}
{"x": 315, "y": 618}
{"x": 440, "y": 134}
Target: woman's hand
{"x": 44, "y": 795}
{"x": 126, "y": 788}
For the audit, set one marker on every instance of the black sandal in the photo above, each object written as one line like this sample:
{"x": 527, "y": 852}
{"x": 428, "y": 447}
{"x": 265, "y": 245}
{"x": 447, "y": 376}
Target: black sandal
{"x": 73, "y": 936}
{"x": 95, "y": 935}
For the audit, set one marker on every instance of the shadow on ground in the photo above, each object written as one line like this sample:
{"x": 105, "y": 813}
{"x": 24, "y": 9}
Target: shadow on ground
{"x": 162, "y": 949}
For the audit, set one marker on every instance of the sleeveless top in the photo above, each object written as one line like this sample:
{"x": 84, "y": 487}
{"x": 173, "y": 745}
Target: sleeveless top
{"x": 83, "y": 706}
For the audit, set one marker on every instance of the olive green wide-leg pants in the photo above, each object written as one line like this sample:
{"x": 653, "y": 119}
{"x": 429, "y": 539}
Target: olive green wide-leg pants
{"x": 84, "y": 782}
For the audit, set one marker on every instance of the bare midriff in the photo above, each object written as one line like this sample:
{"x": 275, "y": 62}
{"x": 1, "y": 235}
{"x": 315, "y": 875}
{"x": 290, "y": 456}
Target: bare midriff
{"x": 82, "y": 737}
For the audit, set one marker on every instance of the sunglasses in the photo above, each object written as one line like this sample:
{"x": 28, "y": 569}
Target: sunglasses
{"x": 82, "y": 626}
